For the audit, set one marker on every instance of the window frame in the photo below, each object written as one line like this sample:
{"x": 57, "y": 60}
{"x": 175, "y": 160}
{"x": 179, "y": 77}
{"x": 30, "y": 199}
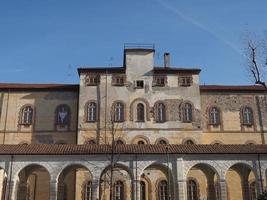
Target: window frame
{"x": 92, "y": 79}
{"x": 195, "y": 191}
{"x": 30, "y": 115}
{"x": 187, "y": 112}
{"x": 163, "y": 190}
{"x": 91, "y": 112}
{"x": 137, "y": 84}
{"x": 120, "y": 77}
{"x": 118, "y": 112}
{"x": 246, "y": 119}
{"x": 185, "y": 80}
{"x": 213, "y": 119}
{"x": 121, "y": 190}
{"x": 159, "y": 81}
{"x": 140, "y": 114}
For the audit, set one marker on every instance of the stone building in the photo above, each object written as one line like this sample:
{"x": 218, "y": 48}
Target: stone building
{"x": 138, "y": 132}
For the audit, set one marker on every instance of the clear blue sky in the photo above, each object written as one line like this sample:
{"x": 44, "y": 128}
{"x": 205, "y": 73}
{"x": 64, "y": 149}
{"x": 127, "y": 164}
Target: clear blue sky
{"x": 44, "y": 41}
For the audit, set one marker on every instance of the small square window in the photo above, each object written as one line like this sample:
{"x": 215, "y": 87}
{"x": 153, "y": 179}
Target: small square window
{"x": 185, "y": 81}
{"x": 159, "y": 81}
{"x": 139, "y": 84}
{"x": 92, "y": 79}
{"x": 118, "y": 80}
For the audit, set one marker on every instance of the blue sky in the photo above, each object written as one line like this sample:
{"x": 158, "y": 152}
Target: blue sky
{"x": 44, "y": 41}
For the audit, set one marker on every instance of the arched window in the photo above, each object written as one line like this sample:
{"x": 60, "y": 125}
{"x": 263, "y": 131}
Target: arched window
{"x": 119, "y": 190}
{"x": 91, "y": 112}
{"x": 91, "y": 141}
{"x": 189, "y": 142}
{"x": 62, "y": 115}
{"x": 187, "y": 113}
{"x": 214, "y": 116}
{"x": 119, "y": 112}
{"x": 26, "y": 115}
{"x": 88, "y": 190}
{"x": 161, "y": 113}
{"x": 140, "y": 142}
{"x": 162, "y": 142}
{"x": 142, "y": 190}
{"x": 119, "y": 142}
{"x": 252, "y": 190}
{"x": 163, "y": 190}
{"x": 247, "y": 116}
{"x": 140, "y": 112}
{"x": 192, "y": 190}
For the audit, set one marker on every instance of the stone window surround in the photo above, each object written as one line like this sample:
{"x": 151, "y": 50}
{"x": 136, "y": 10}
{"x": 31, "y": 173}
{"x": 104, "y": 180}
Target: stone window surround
{"x": 182, "y": 107}
{"x": 156, "y": 104}
{"x": 113, "y": 111}
{"x": 86, "y": 111}
{"x": 21, "y": 115}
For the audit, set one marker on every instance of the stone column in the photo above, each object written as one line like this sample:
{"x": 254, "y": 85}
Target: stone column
{"x": 245, "y": 189}
{"x": 223, "y": 189}
{"x": 10, "y": 190}
{"x": 182, "y": 189}
{"x": 95, "y": 189}
{"x": 53, "y": 189}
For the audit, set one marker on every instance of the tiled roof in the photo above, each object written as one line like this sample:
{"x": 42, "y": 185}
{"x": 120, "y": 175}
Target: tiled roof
{"x": 23, "y": 86}
{"x": 173, "y": 70}
{"x": 101, "y": 69}
{"x": 235, "y": 88}
{"x": 72, "y": 149}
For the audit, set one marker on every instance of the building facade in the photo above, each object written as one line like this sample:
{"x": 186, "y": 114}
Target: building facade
{"x": 172, "y": 138}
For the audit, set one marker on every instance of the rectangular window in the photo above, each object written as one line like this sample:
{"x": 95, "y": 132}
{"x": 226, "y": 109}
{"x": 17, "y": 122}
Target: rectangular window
{"x": 118, "y": 80}
{"x": 159, "y": 81}
{"x": 185, "y": 81}
{"x": 139, "y": 84}
{"x": 92, "y": 79}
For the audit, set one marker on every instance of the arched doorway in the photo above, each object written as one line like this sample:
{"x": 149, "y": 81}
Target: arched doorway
{"x": 203, "y": 183}
{"x": 240, "y": 182}
{"x": 156, "y": 182}
{"x": 117, "y": 183}
{"x": 75, "y": 183}
{"x": 33, "y": 183}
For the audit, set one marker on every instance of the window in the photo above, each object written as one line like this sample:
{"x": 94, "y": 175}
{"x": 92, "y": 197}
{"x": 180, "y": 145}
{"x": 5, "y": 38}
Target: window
{"x": 252, "y": 191}
{"x": 163, "y": 190}
{"x": 187, "y": 113}
{"x": 119, "y": 142}
{"x": 62, "y": 115}
{"x": 118, "y": 80}
{"x": 142, "y": 190}
{"x": 159, "y": 81}
{"x": 26, "y": 115}
{"x": 139, "y": 84}
{"x": 92, "y": 141}
{"x": 164, "y": 142}
{"x": 119, "y": 193}
{"x": 185, "y": 81}
{"x": 140, "y": 142}
{"x": 140, "y": 112}
{"x": 92, "y": 79}
{"x": 214, "y": 116}
{"x": 189, "y": 142}
{"x": 160, "y": 112}
{"x": 88, "y": 190}
{"x": 247, "y": 116}
{"x": 119, "y": 112}
{"x": 91, "y": 112}
{"x": 192, "y": 190}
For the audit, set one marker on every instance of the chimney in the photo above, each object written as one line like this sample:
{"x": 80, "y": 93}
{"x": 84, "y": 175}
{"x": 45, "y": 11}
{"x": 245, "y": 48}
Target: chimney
{"x": 167, "y": 60}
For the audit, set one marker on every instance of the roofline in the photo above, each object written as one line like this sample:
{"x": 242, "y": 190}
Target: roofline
{"x": 74, "y": 149}
{"x": 101, "y": 70}
{"x": 174, "y": 70}
{"x": 232, "y": 88}
{"x": 25, "y": 86}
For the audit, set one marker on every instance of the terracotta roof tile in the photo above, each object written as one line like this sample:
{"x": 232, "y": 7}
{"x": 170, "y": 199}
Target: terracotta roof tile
{"x": 72, "y": 149}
